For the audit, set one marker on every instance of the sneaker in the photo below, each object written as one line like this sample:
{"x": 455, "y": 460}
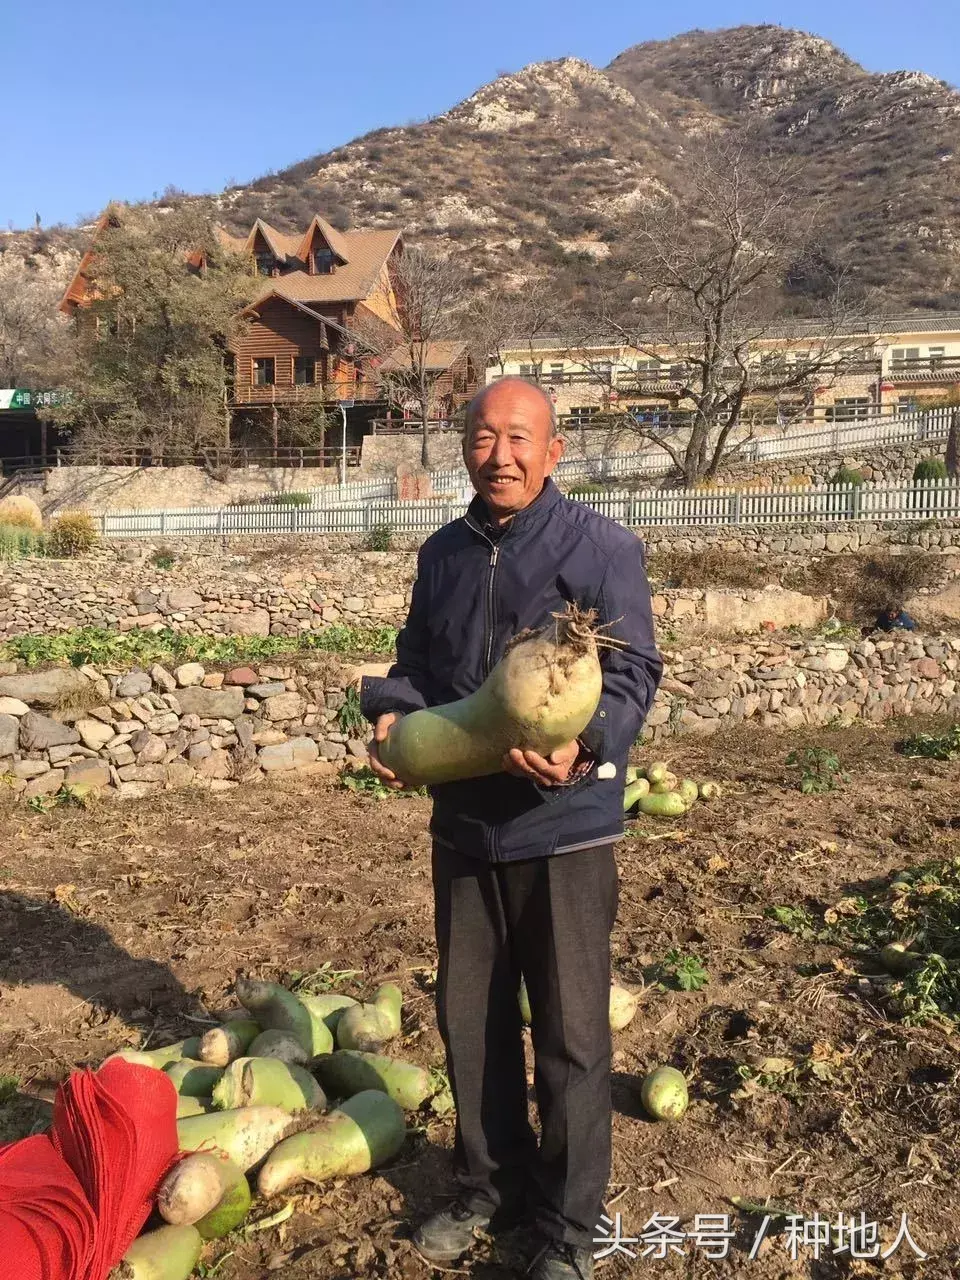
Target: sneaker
{"x": 446, "y": 1235}
{"x": 558, "y": 1261}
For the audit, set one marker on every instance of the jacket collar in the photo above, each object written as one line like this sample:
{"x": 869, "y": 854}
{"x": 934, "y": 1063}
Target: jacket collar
{"x": 538, "y": 511}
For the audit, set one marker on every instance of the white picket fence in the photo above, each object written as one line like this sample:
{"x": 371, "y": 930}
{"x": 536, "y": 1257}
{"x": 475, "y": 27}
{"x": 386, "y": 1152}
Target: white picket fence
{"x": 924, "y": 427}
{"x": 649, "y": 509}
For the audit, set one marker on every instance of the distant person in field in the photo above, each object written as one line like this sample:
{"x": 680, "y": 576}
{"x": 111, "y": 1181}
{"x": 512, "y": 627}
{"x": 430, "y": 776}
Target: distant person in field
{"x": 524, "y": 875}
{"x": 893, "y": 618}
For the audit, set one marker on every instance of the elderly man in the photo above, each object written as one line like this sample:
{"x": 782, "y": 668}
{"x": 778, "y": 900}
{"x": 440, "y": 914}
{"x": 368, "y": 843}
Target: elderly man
{"x": 525, "y": 881}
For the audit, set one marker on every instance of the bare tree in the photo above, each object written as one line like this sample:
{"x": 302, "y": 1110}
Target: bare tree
{"x": 707, "y": 271}
{"x": 501, "y": 320}
{"x": 33, "y": 338}
{"x": 428, "y": 299}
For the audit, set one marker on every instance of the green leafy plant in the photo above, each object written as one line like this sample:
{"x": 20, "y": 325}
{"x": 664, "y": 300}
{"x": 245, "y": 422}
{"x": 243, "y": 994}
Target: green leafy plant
{"x": 930, "y": 469}
{"x": 820, "y": 769}
{"x": 72, "y": 534}
{"x": 796, "y": 920}
{"x": 163, "y": 558}
{"x": 380, "y": 538}
{"x": 930, "y": 746}
{"x": 130, "y": 648}
{"x": 9, "y": 1088}
{"x": 364, "y": 781}
{"x": 350, "y": 718}
{"x": 846, "y": 476}
{"x": 17, "y": 542}
{"x": 297, "y": 498}
{"x": 687, "y": 971}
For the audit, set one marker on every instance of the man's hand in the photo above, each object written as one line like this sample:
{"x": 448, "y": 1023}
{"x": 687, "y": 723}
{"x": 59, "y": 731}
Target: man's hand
{"x": 548, "y": 771}
{"x": 380, "y": 730}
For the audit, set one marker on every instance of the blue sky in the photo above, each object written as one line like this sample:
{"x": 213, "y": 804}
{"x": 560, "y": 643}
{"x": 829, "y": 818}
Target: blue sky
{"x": 116, "y": 99}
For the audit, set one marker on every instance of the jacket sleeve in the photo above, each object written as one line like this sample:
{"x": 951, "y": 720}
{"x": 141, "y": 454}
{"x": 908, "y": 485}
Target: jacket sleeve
{"x": 631, "y": 673}
{"x": 406, "y": 686}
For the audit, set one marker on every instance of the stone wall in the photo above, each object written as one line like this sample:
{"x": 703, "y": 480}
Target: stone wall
{"x": 99, "y": 489}
{"x": 892, "y": 465}
{"x": 785, "y": 683}
{"x": 285, "y": 587}
{"x": 137, "y": 732}
{"x": 804, "y": 540}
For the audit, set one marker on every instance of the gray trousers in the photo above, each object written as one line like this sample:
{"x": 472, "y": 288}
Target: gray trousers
{"x": 548, "y": 919}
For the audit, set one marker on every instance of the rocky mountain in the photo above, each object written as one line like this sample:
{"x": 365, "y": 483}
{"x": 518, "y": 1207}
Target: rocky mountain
{"x": 537, "y": 168}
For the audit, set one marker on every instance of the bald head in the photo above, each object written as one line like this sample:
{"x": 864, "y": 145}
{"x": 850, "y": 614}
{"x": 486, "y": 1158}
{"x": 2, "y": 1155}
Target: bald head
{"x": 513, "y": 386}
{"x": 510, "y": 445}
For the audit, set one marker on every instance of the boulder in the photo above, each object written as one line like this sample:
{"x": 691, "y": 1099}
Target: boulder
{"x": 190, "y": 673}
{"x": 12, "y": 707}
{"x": 284, "y": 706}
{"x": 180, "y": 600}
{"x": 38, "y": 732}
{"x": 9, "y": 735}
{"x": 47, "y": 784}
{"x": 255, "y": 622}
{"x": 88, "y": 775}
{"x": 134, "y": 684}
{"x": 45, "y": 688}
{"x": 94, "y": 733}
{"x": 212, "y": 704}
{"x": 241, "y": 676}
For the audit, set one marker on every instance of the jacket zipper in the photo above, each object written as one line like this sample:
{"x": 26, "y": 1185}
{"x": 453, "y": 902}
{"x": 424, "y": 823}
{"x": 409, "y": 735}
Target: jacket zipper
{"x": 491, "y": 615}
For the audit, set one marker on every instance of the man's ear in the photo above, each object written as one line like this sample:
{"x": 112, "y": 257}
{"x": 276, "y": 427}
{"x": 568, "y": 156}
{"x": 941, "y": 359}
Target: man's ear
{"x": 555, "y": 451}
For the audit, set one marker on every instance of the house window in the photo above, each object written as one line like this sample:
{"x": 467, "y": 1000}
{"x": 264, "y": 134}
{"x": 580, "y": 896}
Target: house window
{"x": 936, "y": 355}
{"x": 323, "y": 261}
{"x": 556, "y": 372}
{"x": 650, "y": 415}
{"x": 649, "y": 368}
{"x": 903, "y": 357}
{"x": 907, "y": 404}
{"x": 264, "y": 372}
{"x": 531, "y": 370}
{"x": 580, "y": 415}
{"x": 304, "y": 371}
{"x": 265, "y": 264}
{"x": 848, "y": 407}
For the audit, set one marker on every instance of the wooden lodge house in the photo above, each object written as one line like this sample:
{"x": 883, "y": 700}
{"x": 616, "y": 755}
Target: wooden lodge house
{"x": 323, "y": 318}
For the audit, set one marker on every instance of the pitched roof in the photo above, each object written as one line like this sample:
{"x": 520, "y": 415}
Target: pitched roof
{"x": 366, "y": 253}
{"x": 439, "y": 355}
{"x": 334, "y": 238}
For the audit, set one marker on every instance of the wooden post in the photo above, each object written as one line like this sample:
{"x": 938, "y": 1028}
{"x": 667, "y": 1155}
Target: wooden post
{"x": 276, "y": 431}
{"x": 43, "y": 442}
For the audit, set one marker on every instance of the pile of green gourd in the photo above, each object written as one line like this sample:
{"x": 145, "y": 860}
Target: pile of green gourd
{"x": 658, "y": 793}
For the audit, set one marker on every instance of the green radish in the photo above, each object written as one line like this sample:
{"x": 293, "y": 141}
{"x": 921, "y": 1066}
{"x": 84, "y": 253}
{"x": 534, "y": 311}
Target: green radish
{"x": 329, "y": 1007}
{"x": 233, "y": 1207}
{"x": 193, "y": 1079}
{"x": 361, "y": 1134}
{"x": 245, "y": 1135}
{"x": 657, "y": 771}
{"x": 277, "y": 1009}
{"x": 897, "y": 958}
{"x": 366, "y": 1026}
{"x": 662, "y": 785}
{"x": 207, "y": 1191}
{"x": 220, "y": 1045}
{"x": 169, "y": 1253}
{"x": 193, "y": 1107}
{"x": 631, "y": 774}
{"x": 523, "y": 997}
{"x": 664, "y": 1094}
{"x": 633, "y": 793}
{"x": 160, "y": 1058}
{"x": 279, "y": 1044}
{"x": 267, "y": 1082}
{"x": 541, "y": 695}
{"x": 348, "y": 1071}
{"x": 689, "y": 790}
{"x": 389, "y": 998}
{"x": 669, "y": 804}
{"x": 192, "y": 1188}
{"x": 623, "y": 1005}
{"x": 710, "y": 790}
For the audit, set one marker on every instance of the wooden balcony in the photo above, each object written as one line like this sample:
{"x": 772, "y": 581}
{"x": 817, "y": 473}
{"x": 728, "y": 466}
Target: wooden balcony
{"x": 305, "y": 393}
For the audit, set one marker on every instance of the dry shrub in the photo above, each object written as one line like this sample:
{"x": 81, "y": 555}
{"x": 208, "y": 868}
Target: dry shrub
{"x": 865, "y": 584}
{"x": 72, "y": 534}
{"x": 712, "y": 567}
{"x": 21, "y": 513}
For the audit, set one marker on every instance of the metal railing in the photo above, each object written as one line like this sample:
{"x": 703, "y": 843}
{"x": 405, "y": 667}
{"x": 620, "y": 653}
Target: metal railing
{"x": 826, "y": 504}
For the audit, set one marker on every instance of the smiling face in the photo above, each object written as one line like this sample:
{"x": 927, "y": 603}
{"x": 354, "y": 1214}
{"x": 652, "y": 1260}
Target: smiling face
{"x": 509, "y": 446}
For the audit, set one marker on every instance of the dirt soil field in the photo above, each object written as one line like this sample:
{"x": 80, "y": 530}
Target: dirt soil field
{"x": 128, "y": 920}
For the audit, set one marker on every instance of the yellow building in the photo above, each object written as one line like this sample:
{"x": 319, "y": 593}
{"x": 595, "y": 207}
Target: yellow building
{"x": 887, "y": 367}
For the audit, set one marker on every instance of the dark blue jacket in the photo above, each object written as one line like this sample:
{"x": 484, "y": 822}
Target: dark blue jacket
{"x": 475, "y": 589}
